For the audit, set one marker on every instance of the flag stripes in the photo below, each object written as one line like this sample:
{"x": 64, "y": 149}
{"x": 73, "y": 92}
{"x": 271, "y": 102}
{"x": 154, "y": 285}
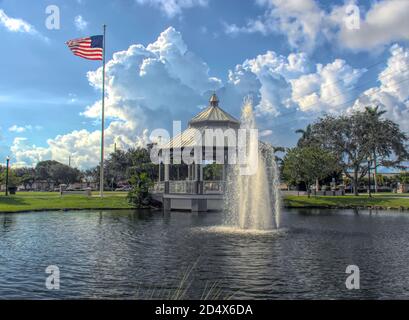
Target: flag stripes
{"x": 90, "y": 48}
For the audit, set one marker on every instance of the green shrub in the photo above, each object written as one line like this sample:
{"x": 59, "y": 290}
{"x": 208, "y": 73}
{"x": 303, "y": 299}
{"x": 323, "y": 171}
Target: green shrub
{"x": 139, "y": 195}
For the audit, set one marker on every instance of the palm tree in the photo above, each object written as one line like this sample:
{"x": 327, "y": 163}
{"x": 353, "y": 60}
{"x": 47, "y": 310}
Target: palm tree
{"x": 375, "y": 114}
{"x": 306, "y": 136}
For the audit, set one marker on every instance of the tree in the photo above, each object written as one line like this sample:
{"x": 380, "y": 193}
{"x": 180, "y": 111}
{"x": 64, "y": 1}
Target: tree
{"x": 308, "y": 164}
{"x": 13, "y": 179}
{"x": 354, "y": 138}
{"x": 43, "y": 171}
{"x": 404, "y": 177}
{"x": 375, "y": 114}
{"x": 139, "y": 195}
{"x": 213, "y": 171}
{"x": 63, "y": 174}
{"x": 307, "y": 137}
{"x": 27, "y": 176}
{"x": 117, "y": 166}
{"x": 56, "y": 172}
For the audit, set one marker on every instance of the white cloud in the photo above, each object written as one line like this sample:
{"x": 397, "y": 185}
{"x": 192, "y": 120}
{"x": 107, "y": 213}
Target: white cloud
{"x": 392, "y": 94}
{"x": 273, "y": 73}
{"x": 300, "y": 21}
{"x": 26, "y": 154}
{"x": 18, "y": 25}
{"x": 385, "y": 22}
{"x": 19, "y": 129}
{"x": 146, "y": 87}
{"x": 150, "y": 86}
{"x": 173, "y": 8}
{"x": 81, "y": 145}
{"x": 80, "y": 23}
{"x": 328, "y": 89}
{"x": 306, "y": 24}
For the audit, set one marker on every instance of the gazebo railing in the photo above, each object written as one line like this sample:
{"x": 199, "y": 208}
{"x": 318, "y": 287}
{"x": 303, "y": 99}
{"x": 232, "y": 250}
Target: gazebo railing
{"x": 158, "y": 187}
{"x": 190, "y": 187}
{"x": 213, "y": 187}
{"x": 184, "y": 187}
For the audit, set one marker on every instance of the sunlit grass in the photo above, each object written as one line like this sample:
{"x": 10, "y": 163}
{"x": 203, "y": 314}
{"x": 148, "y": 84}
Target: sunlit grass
{"x": 37, "y": 201}
{"x": 392, "y": 201}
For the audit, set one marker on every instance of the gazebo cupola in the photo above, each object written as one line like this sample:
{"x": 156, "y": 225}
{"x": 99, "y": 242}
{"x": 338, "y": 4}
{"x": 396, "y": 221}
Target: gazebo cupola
{"x": 214, "y": 116}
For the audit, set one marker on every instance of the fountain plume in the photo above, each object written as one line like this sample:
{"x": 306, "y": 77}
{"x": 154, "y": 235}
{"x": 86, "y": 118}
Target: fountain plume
{"x": 253, "y": 201}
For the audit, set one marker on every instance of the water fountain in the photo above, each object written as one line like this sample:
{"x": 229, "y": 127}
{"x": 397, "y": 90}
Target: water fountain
{"x": 252, "y": 202}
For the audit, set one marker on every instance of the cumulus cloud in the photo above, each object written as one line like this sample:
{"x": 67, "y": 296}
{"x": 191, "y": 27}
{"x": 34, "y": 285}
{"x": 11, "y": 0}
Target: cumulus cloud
{"x": 80, "y": 23}
{"x": 18, "y": 25}
{"x": 173, "y": 8}
{"x": 384, "y": 23}
{"x": 149, "y": 86}
{"x": 146, "y": 87}
{"x": 82, "y": 146}
{"x": 306, "y": 24}
{"x": 300, "y": 21}
{"x": 274, "y": 72}
{"x": 135, "y": 75}
{"x": 328, "y": 89}
{"x": 26, "y": 154}
{"x": 392, "y": 94}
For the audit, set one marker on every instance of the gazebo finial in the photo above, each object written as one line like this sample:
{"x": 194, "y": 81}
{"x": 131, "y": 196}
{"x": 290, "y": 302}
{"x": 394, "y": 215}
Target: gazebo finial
{"x": 214, "y": 100}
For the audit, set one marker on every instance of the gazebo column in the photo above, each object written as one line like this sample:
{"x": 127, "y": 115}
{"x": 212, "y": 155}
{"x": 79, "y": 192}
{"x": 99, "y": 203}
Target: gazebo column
{"x": 225, "y": 168}
{"x": 195, "y": 181}
{"x": 167, "y": 179}
{"x": 199, "y": 178}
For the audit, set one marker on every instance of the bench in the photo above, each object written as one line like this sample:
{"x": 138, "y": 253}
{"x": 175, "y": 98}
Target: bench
{"x": 87, "y": 192}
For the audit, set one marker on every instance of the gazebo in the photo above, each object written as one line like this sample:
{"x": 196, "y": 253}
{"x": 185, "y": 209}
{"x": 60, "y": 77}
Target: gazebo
{"x": 195, "y": 193}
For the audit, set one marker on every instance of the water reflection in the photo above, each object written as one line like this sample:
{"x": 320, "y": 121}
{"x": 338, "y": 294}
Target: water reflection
{"x": 132, "y": 254}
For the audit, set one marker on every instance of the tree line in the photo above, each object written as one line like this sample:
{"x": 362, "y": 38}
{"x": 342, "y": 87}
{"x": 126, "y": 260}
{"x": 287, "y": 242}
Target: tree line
{"x": 341, "y": 147}
{"x": 347, "y": 145}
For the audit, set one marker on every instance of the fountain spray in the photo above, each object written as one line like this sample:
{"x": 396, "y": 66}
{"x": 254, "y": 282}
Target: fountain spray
{"x": 252, "y": 201}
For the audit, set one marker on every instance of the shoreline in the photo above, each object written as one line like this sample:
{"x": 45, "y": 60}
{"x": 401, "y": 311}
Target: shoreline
{"x": 350, "y": 207}
{"x": 46, "y": 202}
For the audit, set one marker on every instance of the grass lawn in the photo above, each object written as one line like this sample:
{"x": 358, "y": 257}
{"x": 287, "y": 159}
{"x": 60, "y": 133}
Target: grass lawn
{"x": 393, "y": 201}
{"x": 37, "y": 201}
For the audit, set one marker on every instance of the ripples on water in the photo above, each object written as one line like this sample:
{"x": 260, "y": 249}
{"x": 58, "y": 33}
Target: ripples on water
{"x": 147, "y": 254}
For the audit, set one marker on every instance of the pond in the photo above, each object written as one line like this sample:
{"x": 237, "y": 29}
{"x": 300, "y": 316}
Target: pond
{"x": 140, "y": 255}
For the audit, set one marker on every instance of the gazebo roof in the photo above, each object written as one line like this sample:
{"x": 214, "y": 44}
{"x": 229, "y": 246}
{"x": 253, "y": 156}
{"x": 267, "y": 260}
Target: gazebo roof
{"x": 211, "y": 117}
{"x": 214, "y": 115}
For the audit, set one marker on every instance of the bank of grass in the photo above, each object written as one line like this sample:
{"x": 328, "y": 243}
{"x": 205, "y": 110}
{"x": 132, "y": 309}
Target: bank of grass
{"x": 42, "y": 201}
{"x": 45, "y": 201}
{"x": 378, "y": 201}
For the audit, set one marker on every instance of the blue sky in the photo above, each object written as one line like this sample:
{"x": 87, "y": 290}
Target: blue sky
{"x": 296, "y": 59}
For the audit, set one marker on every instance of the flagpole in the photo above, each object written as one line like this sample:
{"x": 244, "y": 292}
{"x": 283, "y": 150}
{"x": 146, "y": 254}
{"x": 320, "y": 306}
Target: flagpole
{"x": 101, "y": 169}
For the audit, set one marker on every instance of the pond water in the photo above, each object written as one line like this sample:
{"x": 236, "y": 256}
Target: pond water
{"x": 128, "y": 254}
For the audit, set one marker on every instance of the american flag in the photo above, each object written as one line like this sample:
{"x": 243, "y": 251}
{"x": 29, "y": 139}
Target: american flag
{"x": 90, "y": 48}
